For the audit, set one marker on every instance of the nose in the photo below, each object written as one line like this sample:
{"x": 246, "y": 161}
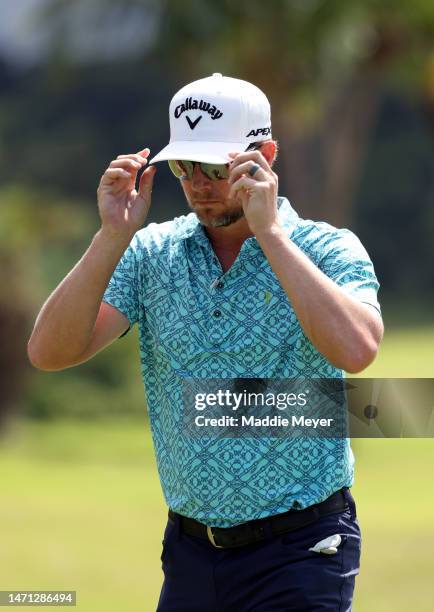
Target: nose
{"x": 199, "y": 182}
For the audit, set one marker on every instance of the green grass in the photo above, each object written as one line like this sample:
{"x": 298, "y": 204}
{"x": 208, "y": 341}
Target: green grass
{"x": 407, "y": 348}
{"x": 405, "y": 353}
{"x": 81, "y": 507}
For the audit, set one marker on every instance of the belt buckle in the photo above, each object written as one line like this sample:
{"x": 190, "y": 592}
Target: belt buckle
{"x": 210, "y": 535}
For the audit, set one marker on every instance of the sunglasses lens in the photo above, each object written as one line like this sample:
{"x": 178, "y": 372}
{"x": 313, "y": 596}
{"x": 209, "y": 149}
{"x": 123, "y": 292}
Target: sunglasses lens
{"x": 176, "y": 169}
{"x": 215, "y": 171}
{"x": 181, "y": 168}
{"x": 184, "y": 168}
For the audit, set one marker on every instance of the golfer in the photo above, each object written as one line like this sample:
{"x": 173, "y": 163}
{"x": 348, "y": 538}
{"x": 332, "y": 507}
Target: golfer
{"x": 240, "y": 288}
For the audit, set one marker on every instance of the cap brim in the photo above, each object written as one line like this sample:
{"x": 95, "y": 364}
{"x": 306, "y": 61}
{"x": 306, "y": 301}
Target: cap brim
{"x": 208, "y": 152}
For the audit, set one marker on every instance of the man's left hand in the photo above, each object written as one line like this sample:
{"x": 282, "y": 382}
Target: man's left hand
{"x": 258, "y": 193}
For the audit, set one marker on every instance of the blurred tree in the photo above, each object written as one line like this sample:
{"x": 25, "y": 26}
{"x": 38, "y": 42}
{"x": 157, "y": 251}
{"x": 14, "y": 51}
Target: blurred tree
{"x": 61, "y": 124}
{"x": 41, "y": 235}
{"x": 29, "y": 222}
{"x": 324, "y": 65}
{"x": 347, "y": 81}
{"x": 13, "y": 335}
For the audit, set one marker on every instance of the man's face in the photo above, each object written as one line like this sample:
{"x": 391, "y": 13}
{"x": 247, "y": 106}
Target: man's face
{"x": 210, "y": 200}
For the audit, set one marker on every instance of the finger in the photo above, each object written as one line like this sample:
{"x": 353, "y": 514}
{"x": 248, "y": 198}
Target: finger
{"x": 146, "y": 182}
{"x": 233, "y": 154}
{"x": 141, "y": 159}
{"x": 237, "y": 171}
{"x": 243, "y": 183}
{"x": 255, "y": 156}
{"x": 126, "y": 163}
{"x": 116, "y": 173}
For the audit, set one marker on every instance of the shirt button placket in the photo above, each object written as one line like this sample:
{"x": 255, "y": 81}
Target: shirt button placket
{"x": 217, "y": 314}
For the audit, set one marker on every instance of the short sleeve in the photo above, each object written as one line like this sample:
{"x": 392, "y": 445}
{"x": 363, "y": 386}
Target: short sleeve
{"x": 122, "y": 291}
{"x": 345, "y": 260}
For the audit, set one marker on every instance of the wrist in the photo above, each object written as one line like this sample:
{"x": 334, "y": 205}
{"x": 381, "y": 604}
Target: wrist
{"x": 112, "y": 241}
{"x": 114, "y": 237}
{"x": 270, "y": 232}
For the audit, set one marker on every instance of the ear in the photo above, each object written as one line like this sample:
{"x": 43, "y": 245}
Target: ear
{"x": 269, "y": 151}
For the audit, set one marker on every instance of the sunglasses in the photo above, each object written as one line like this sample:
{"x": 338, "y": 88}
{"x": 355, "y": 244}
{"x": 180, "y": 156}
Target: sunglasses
{"x": 183, "y": 169}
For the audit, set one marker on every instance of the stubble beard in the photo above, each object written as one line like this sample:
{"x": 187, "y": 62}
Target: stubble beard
{"x": 222, "y": 220}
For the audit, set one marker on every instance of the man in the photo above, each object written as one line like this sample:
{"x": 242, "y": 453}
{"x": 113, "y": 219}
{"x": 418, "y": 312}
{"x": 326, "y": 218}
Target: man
{"x": 242, "y": 288}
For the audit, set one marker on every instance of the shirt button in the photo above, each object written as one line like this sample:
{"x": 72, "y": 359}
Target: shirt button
{"x": 220, "y": 285}
{"x": 217, "y": 313}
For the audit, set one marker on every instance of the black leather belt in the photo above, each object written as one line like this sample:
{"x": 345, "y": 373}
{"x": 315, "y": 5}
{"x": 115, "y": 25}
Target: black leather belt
{"x": 255, "y": 531}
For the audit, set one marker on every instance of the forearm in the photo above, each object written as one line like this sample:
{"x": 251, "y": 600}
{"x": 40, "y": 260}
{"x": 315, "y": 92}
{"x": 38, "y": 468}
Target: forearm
{"x": 340, "y": 327}
{"x": 64, "y": 326}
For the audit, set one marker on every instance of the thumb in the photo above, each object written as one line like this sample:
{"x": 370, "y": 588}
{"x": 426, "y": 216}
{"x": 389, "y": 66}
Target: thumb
{"x": 146, "y": 182}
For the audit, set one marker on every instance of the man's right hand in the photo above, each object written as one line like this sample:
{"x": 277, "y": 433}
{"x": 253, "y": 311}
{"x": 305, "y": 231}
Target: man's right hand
{"x": 74, "y": 323}
{"x": 122, "y": 209}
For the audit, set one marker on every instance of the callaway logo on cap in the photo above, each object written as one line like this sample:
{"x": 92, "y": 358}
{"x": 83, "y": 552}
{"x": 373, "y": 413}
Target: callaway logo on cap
{"x": 213, "y": 116}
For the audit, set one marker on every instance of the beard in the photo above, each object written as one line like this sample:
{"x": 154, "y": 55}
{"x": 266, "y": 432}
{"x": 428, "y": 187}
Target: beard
{"x": 220, "y": 220}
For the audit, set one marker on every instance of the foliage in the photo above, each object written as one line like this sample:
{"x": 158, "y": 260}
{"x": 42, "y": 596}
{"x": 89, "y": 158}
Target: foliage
{"x": 352, "y": 91}
{"x": 42, "y": 234}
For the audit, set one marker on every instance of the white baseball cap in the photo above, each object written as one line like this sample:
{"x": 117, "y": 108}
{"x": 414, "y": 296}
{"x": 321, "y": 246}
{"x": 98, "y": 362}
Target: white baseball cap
{"x": 213, "y": 116}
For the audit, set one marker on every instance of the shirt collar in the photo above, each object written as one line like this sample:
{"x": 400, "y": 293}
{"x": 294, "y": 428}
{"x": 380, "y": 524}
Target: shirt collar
{"x": 287, "y": 215}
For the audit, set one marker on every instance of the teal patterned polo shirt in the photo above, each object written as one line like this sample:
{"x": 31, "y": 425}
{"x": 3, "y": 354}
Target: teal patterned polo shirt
{"x": 197, "y": 322}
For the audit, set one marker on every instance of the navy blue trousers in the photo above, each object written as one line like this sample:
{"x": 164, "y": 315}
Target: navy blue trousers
{"x": 276, "y": 575}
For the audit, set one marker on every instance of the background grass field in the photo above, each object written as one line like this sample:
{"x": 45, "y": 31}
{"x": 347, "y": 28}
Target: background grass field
{"x": 82, "y": 507}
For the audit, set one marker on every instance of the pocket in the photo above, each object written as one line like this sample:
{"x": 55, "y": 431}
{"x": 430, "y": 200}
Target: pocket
{"x": 323, "y": 575}
{"x": 353, "y": 547}
{"x": 308, "y": 536}
{"x": 302, "y": 541}
{"x": 349, "y": 524}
